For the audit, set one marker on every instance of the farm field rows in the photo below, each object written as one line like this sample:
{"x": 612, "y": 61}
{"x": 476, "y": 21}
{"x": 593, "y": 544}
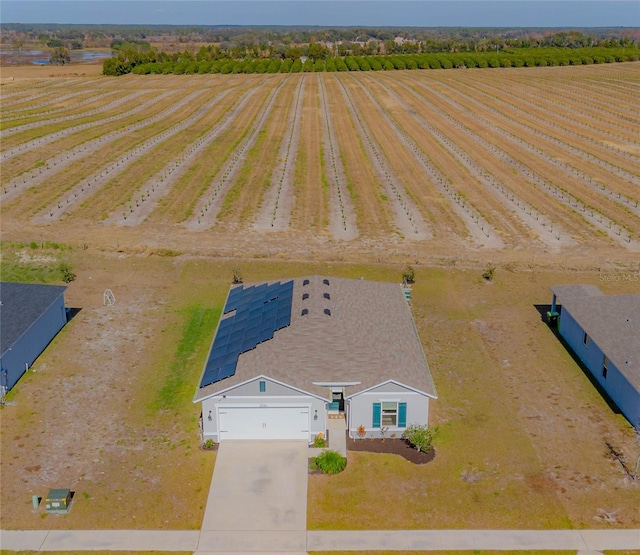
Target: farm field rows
{"x": 491, "y": 164}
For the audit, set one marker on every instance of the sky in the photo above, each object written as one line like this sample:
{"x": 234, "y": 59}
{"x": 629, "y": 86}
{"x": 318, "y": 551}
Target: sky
{"x": 336, "y": 13}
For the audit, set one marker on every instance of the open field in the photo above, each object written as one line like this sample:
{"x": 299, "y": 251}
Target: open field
{"x": 497, "y": 165}
{"x": 107, "y": 410}
{"x": 157, "y": 187}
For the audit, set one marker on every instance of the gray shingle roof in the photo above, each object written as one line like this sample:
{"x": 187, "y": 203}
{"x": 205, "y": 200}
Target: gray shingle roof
{"x": 369, "y": 337}
{"x": 612, "y": 322}
{"x": 21, "y": 304}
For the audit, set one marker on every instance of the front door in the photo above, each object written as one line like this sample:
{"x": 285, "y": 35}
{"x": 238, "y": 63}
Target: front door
{"x": 337, "y": 396}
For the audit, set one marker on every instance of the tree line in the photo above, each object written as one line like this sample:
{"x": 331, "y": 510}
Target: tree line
{"x": 152, "y": 62}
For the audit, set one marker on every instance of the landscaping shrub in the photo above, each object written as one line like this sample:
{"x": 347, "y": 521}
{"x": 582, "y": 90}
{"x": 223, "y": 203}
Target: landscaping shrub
{"x": 409, "y": 274}
{"x": 330, "y": 462}
{"x": 319, "y": 441}
{"x": 421, "y": 437}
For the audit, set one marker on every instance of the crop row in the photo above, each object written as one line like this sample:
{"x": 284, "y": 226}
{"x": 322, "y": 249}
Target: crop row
{"x": 437, "y": 160}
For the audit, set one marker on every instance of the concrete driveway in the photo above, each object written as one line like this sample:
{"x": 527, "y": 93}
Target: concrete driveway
{"x": 258, "y": 497}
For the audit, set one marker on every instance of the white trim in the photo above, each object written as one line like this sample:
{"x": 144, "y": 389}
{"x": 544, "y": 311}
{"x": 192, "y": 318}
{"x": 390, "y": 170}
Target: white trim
{"x": 396, "y": 382}
{"x": 336, "y": 384}
{"x": 261, "y": 376}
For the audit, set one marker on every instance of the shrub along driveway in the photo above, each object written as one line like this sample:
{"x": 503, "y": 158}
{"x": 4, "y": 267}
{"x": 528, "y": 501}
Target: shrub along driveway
{"x": 258, "y": 497}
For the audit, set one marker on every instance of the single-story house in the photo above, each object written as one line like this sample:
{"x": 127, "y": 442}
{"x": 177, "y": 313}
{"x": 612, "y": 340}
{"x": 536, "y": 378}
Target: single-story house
{"x": 287, "y": 355}
{"x": 604, "y": 332}
{"x": 30, "y": 317}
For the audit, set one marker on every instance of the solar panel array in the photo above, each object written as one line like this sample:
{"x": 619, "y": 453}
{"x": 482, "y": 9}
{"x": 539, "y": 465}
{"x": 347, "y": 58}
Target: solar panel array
{"x": 260, "y": 311}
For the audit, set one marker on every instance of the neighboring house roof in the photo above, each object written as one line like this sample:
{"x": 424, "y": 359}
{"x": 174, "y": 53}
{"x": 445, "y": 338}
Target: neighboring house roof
{"x": 21, "y": 304}
{"x": 612, "y": 322}
{"x": 367, "y": 337}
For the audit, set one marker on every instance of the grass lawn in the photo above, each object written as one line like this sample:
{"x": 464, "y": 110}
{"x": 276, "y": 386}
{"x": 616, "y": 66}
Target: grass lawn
{"x": 108, "y": 411}
{"x": 523, "y": 430}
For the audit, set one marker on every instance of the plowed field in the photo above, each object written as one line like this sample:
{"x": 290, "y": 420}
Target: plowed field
{"x": 512, "y": 164}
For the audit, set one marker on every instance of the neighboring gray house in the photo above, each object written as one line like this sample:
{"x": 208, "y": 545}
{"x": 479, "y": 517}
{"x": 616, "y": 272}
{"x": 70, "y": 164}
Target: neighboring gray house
{"x": 604, "y": 332}
{"x": 30, "y": 317}
{"x": 288, "y": 355}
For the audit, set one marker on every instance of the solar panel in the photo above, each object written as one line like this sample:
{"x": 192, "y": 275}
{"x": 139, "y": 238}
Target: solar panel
{"x": 283, "y": 321}
{"x": 259, "y": 311}
{"x": 232, "y": 300}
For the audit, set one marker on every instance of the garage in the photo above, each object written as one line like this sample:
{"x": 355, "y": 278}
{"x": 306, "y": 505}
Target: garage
{"x": 260, "y": 422}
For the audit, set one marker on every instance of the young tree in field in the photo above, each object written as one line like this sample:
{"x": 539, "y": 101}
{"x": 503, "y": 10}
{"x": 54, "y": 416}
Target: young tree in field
{"x": 60, "y": 56}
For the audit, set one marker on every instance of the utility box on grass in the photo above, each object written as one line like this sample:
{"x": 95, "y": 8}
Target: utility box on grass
{"x": 58, "y": 501}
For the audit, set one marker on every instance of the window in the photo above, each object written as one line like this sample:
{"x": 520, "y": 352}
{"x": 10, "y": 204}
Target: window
{"x": 263, "y": 386}
{"x": 389, "y": 414}
{"x": 586, "y": 339}
{"x": 605, "y": 367}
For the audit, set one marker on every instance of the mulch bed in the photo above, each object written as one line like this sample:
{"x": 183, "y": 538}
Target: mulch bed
{"x": 394, "y": 446}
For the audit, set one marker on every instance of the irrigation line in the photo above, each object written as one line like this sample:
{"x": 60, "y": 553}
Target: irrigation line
{"x": 465, "y": 209}
{"x": 408, "y": 217}
{"x": 27, "y": 126}
{"x": 46, "y": 139}
{"x": 158, "y": 186}
{"x": 337, "y": 173}
{"x": 208, "y": 207}
{"x": 587, "y": 212}
{"x": 95, "y": 182}
{"x": 599, "y": 187}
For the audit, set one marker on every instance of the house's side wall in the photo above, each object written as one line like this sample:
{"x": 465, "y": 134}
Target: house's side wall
{"x": 360, "y": 410}
{"x": 623, "y": 394}
{"x": 28, "y": 348}
{"x": 249, "y": 394}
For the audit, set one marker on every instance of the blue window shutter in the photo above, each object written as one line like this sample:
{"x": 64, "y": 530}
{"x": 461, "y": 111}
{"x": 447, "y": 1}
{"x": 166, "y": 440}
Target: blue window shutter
{"x": 402, "y": 415}
{"x": 377, "y": 411}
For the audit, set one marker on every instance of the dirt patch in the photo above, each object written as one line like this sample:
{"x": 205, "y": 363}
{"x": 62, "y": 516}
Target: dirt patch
{"x": 391, "y": 446}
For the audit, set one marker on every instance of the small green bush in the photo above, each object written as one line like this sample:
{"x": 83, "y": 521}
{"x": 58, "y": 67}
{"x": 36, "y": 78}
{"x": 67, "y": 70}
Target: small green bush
{"x": 209, "y": 444}
{"x": 319, "y": 441}
{"x": 66, "y": 271}
{"x": 421, "y": 437}
{"x": 489, "y": 273}
{"x": 330, "y": 462}
{"x": 409, "y": 274}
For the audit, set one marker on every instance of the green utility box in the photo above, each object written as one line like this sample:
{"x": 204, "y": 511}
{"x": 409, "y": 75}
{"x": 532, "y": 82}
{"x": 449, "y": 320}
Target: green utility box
{"x": 58, "y": 501}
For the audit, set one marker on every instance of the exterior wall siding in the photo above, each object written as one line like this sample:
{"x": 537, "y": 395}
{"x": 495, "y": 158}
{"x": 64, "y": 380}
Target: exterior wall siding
{"x": 360, "y": 410}
{"x": 28, "y": 348}
{"x": 623, "y": 394}
{"x": 275, "y": 395}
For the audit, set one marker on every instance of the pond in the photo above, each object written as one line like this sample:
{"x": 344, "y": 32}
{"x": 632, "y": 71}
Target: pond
{"x": 41, "y": 57}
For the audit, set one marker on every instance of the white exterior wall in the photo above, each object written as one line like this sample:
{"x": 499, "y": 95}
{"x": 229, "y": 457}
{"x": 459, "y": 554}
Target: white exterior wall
{"x": 360, "y": 409}
{"x": 249, "y": 395}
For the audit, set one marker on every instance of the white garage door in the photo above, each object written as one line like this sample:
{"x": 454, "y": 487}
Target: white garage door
{"x": 263, "y": 422}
